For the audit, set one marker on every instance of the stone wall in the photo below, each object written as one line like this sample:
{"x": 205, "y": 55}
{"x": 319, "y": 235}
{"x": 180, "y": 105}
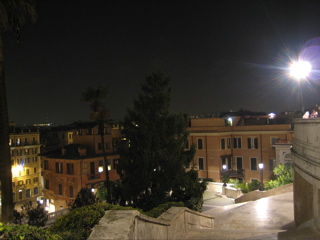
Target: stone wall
{"x": 306, "y": 164}
{"x": 173, "y": 224}
{"x": 254, "y": 195}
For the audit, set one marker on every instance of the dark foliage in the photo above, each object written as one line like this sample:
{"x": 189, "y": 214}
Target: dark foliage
{"x": 152, "y": 165}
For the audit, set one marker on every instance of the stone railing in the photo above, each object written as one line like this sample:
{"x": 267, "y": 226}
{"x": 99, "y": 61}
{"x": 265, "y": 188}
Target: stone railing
{"x": 131, "y": 224}
{"x": 255, "y": 195}
{"x": 52, "y": 216}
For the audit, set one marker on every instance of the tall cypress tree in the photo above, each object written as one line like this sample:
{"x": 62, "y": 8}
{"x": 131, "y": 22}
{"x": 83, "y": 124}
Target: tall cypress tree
{"x": 153, "y": 160}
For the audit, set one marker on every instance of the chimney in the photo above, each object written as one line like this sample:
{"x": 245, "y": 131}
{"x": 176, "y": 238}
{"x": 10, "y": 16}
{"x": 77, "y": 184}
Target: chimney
{"x": 63, "y": 151}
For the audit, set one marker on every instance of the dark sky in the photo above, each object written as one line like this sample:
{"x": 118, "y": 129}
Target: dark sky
{"x": 220, "y": 55}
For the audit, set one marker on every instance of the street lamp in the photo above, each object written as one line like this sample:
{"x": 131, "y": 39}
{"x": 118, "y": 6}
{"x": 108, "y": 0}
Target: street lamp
{"x": 261, "y": 176}
{"x": 224, "y": 176}
{"x": 300, "y": 70}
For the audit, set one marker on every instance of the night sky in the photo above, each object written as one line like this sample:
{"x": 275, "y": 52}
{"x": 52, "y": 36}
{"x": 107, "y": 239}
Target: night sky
{"x": 220, "y": 56}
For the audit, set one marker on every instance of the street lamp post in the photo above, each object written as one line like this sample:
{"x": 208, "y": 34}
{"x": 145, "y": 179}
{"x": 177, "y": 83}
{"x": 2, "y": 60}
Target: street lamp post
{"x": 300, "y": 70}
{"x": 261, "y": 176}
{"x": 224, "y": 167}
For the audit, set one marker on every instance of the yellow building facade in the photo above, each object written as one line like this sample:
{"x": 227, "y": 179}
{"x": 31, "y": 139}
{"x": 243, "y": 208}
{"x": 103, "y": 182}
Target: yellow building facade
{"x": 26, "y": 165}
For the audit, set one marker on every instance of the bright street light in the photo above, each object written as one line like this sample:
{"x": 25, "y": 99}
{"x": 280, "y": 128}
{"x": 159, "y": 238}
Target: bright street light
{"x": 261, "y": 165}
{"x": 300, "y": 70}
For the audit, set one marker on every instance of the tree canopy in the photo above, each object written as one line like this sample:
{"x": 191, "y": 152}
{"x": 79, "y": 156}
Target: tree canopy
{"x": 13, "y": 14}
{"x": 153, "y": 160}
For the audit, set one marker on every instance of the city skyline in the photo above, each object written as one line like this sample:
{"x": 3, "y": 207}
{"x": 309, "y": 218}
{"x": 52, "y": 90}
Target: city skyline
{"x": 219, "y": 56}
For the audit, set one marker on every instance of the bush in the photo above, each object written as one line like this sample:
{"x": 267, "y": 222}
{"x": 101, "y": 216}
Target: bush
{"x": 284, "y": 175}
{"x": 25, "y": 232}
{"x": 156, "y": 212}
{"x": 33, "y": 216}
{"x": 246, "y": 187}
{"x": 78, "y": 223}
{"x": 84, "y": 197}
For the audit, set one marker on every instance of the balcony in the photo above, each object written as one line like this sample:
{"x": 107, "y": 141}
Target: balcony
{"x": 233, "y": 173}
{"x": 93, "y": 176}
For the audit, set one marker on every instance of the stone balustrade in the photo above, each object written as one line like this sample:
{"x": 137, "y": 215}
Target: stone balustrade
{"x": 131, "y": 224}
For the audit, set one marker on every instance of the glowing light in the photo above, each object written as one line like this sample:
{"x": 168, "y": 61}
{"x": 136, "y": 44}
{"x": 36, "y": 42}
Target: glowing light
{"x": 300, "y": 69}
{"x": 260, "y": 165}
{"x": 224, "y": 167}
{"x": 272, "y": 115}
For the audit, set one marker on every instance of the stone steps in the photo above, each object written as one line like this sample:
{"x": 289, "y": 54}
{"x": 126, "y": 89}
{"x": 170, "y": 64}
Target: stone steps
{"x": 232, "y": 234}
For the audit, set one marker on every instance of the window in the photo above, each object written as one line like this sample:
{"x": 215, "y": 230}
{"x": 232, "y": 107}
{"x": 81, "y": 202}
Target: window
{"x": 70, "y": 168}
{"x": 60, "y": 189}
{"x": 35, "y": 180}
{"x": 46, "y": 184}
{"x": 115, "y": 163}
{"x": 46, "y": 165}
{"x": 71, "y": 191}
{"x": 252, "y": 143}
{"x": 239, "y": 162}
{"x": 200, "y": 143}
{"x": 58, "y": 167}
{"x": 27, "y": 160}
{"x": 35, "y": 159}
{"x": 200, "y": 162}
{"x": 227, "y": 161}
{"x": 28, "y": 193}
{"x": 272, "y": 164}
{"x": 34, "y": 170}
{"x": 100, "y": 146}
{"x": 36, "y": 191}
{"x": 13, "y": 184}
{"x": 100, "y": 169}
{"x": 20, "y": 183}
{"x": 27, "y": 171}
{"x": 237, "y": 142}
{"x": 223, "y": 143}
{"x": 92, "y": 168}
{"x": 254, "y": 164}
{"x": 20, "y": 195}
{"x": 108, "y": 145}
{"x": 28, "y": 181}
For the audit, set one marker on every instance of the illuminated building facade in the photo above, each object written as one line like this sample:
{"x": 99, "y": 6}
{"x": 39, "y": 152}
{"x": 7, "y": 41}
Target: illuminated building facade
{"x": 238, "y": 142}
{"x": 26, "y": 165}
{"x": 79, "y": 165}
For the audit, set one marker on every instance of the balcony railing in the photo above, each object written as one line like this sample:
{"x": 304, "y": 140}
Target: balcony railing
{"x": 93, "y": 176}
{"x": 23, "y": 144}
{"x": 233, "y": 173}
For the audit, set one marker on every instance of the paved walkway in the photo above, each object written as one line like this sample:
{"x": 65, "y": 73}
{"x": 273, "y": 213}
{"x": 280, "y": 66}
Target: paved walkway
{"x": 270, "y": 213}
{"x": 260, "y": 219}
{"x": 212, "y": 199}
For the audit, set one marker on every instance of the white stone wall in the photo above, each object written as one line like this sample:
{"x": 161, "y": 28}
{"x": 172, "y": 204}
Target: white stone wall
{"x": 130, "y": 224}
{"x": 306, "y": 163}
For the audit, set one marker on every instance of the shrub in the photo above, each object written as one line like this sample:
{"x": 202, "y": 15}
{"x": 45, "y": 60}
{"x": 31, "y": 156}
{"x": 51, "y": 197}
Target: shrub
{"x": 284, "y": 175}
{"x": 37, "y": 216}
{"x": 25, "y": 232}
{"x": 78, "y": 223}
{"x": 156, "y": 212}
{"x": 84, "y": 197}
